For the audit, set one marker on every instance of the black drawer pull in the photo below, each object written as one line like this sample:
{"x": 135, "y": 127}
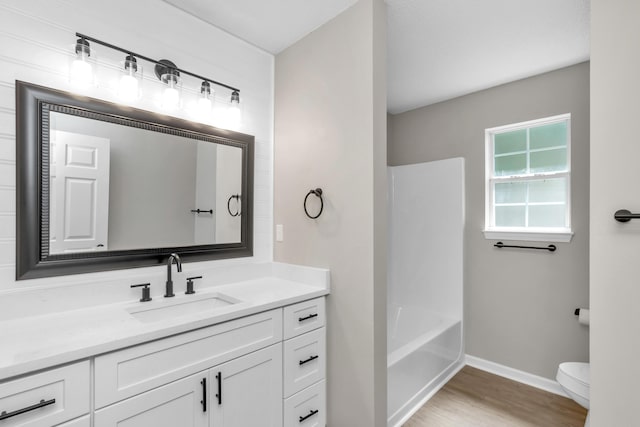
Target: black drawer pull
{"x": 204, "y": 394}
{"x": 219, "y": 395}
{"x": 311, "y": 316}
{"x": 302, "y": 362}
{"x": 4, "y": 415}
{"x": 311, "y": 414}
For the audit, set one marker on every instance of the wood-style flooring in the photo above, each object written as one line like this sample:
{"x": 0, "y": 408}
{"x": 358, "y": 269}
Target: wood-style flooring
{"x": 475, "y": 398}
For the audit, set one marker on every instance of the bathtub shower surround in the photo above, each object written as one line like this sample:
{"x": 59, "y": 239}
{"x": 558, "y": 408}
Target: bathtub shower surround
{"x": 425, "y": 282}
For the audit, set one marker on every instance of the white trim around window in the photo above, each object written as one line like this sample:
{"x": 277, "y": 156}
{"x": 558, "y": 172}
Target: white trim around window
{"x": 526, "y": 233}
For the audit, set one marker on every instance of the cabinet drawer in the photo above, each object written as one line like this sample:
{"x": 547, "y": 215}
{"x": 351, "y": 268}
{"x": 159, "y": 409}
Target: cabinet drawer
{"x": 307, "y": 408}
{"x": 303, "y": 317}
{"x": 304, "y": 361}
{"x": 127, "y": 372}
{"x": 61, "y": 393}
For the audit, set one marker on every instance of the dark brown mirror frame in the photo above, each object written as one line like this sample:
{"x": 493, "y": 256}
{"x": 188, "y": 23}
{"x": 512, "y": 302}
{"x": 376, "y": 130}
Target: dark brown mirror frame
{"x": 33, "y": 105}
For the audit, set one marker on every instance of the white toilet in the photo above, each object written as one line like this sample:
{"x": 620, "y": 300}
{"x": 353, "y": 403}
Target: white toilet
{"x": 574, "y": 378}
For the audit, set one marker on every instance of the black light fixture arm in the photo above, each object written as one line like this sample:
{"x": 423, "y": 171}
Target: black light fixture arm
{"x": 157, "y": 62}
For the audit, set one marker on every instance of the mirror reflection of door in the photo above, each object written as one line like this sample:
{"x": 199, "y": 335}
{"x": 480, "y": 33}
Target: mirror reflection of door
{"x": 79, "y": 210}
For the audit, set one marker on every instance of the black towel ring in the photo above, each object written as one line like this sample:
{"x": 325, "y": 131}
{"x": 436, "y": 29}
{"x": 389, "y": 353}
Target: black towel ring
{"x": 237, "y": 212}
{"x": 317, "y": 192}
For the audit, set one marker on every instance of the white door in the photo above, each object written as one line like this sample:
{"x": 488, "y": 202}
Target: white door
{"x": 79, "y": 209}
{"x": 177, "y": 404}
{"x": 615, "y": 184}
{"x": 247, "y": 391}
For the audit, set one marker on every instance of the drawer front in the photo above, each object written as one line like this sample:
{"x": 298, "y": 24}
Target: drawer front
{"x": 307, "y": 408}
{"x": 45, "y": 399}
{"x": 303, "y": 317}
{"x": 304, "y": 361}
{"x": 134, "y": 370}
{"x": 79, "y": 422}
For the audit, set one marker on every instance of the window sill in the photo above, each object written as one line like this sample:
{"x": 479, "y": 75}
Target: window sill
{"x": 530, "y": 236}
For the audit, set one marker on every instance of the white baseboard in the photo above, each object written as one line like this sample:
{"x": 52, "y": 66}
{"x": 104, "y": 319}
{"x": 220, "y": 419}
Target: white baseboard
{"x": 516, "y": 375}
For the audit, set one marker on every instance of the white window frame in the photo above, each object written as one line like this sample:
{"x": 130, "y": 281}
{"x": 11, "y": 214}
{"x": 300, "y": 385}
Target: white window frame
{"x": 538, "y": 234}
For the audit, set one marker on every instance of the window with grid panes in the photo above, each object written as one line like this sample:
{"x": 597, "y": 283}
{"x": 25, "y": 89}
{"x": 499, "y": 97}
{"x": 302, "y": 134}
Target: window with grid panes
{"x": 528, "y": 180}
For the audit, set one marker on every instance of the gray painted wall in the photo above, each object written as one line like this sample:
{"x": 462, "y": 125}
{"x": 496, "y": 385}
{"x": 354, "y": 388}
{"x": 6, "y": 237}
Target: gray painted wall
{"x": 518, "y": 304}
{"x": 330, "y": 119}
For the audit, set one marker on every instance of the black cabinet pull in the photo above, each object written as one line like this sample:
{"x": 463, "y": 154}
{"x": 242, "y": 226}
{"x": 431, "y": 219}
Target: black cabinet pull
{"x": 310, "y": 414}
{"x": 4, "y": 415}
{"x": 302, "y": 362}
{"x": 311, "y": 316}
{"x": 204, "y": 394}
{"x": 219, "y": 395}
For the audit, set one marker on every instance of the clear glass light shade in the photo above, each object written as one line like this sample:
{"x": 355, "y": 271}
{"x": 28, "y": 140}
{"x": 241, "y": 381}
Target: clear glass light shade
{"x": 204, "y": 103}
{"x": 130, "y": 79}
{"x": 234, "y": 113}
{"x": 81, "y": 73}
{"x": 171, "y": 92}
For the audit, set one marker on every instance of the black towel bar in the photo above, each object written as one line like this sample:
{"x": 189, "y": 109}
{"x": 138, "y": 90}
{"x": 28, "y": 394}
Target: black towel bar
{"x": 209, "y": 211}
{"x": 550, "y": 248}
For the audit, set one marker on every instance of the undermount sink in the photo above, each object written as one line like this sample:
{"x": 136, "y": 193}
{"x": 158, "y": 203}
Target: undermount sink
{"x": 162, "y": 310}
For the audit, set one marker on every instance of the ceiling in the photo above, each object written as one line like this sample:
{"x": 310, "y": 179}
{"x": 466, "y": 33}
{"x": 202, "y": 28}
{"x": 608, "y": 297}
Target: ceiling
{"x": 437, "y": 49}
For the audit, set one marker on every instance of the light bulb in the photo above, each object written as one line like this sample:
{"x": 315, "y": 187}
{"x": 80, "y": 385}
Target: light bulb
{"x": 128, "y": 88}
{"x": 170, "y": 97}
{"x": 81, "y": 72}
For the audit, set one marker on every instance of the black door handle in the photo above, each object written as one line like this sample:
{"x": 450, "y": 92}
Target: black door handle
{"x": 204, "y": 394}
{"x": 219, "y": 395}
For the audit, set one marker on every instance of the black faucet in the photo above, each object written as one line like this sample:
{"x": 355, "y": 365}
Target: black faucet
{"x": 172, "y": 258}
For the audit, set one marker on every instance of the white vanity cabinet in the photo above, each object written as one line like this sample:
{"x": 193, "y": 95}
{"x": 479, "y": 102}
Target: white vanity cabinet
{"x": 265, "y": 369}
{"x": 304, "y": 348}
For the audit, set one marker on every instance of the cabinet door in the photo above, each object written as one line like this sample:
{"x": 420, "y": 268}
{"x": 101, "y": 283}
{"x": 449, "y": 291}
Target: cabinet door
{"x": 179, "y": 403}
{"x": 247, "y": 391}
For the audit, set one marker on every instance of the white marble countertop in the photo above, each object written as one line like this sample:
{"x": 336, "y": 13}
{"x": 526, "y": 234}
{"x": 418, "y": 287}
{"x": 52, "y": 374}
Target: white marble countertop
{"x": 37, "y": 342}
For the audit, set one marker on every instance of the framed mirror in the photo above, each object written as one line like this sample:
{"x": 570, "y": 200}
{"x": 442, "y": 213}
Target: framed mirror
{"x": 101, "y": 186}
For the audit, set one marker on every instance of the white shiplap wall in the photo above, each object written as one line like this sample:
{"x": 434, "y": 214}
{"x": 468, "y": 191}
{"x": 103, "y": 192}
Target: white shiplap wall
{"x": 36, "y": 42}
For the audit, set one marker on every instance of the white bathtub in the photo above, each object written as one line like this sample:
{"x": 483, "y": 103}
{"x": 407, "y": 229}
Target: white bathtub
{"x": 425, "y": 282}
{"x": 424, "y": 350}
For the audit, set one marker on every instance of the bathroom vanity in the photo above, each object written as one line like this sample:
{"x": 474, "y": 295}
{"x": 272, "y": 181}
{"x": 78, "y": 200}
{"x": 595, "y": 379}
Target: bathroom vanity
{"x": 248, "y": 350}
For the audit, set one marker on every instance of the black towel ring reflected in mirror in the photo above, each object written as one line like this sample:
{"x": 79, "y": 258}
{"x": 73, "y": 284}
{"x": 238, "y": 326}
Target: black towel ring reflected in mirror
{"x": 318, "y": 193}
{"x": 237, "y": 212}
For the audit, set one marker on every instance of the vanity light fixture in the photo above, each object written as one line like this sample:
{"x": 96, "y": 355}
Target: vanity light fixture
{"x": 165, "y": 70}
{"x": 81, "y": 69}
{"x": 129, "y": 88}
